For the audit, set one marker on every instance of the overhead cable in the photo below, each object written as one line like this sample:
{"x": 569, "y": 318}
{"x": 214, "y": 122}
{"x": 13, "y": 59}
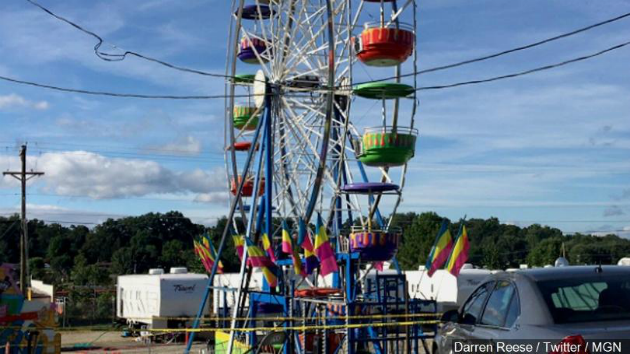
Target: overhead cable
{"x": 526, "y": 72}
{"x": 114, "y": 94}
{"x": 508, "y": 51}
{"x": 121, "y": 56}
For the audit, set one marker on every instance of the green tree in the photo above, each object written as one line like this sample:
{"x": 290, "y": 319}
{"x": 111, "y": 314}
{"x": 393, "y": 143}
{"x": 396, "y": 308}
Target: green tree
{"x": 172, "y": 254}
{"x": 88, "y": 274}
{"x": 418, "y": 239}
{"x": 546, "y": 251}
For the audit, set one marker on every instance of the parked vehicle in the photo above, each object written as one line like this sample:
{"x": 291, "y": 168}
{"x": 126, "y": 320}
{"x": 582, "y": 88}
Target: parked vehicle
{"x": 562, "y": 305}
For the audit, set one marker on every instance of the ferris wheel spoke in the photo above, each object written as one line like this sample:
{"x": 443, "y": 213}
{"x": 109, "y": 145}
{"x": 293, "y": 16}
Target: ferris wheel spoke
{"x": 312, "y": 43}
{"x": 299, "y": 49}
{"x": 395, "y": 16}
{"x": 306, "y": 107}
{"x": 300, "y": 133}
{"x": 328, "y": 176}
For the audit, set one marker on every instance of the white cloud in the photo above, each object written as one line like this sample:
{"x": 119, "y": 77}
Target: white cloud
{"x": 56, "y": 214}
{"x": 200, "y": 181}
{"x": 623, "y": 232}
{"x": 16, "y": 101}
{"x": 188, "y": 145}
{"x": 214, "y": 197}
{"x": 80, "y": 173}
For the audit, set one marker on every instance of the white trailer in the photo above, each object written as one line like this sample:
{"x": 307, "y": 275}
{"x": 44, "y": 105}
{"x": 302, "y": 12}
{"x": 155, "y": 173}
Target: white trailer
{"x": 159, "y": 300}
{"x": 448, "y": 291}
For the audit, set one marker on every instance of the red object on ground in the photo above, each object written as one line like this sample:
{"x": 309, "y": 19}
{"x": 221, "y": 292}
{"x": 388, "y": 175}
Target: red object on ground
{"x": 26, "y": 316}
{"x": 313, "y": 292}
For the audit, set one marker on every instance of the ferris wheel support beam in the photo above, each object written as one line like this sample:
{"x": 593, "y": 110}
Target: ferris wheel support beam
{"x": 230, "y": 125}
{"x": 235, "y": 202}
{"x": 245, "y": 278}
{"x": 329, "y": 106}
{"x": 268, "y": 165}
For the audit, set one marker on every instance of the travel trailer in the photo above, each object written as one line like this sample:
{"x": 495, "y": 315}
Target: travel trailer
{"x": 160, "y": 300}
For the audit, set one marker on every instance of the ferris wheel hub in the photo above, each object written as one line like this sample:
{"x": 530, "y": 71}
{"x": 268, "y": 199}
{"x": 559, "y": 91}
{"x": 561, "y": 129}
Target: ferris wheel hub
{"x": 260, "y": 88}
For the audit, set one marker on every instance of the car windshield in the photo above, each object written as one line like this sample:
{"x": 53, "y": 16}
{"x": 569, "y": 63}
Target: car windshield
{"x": 590, "y": 299}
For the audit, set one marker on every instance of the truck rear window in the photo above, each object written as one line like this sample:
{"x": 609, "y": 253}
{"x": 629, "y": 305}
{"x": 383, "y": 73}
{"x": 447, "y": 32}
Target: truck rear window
{"x": 599, "y": 298}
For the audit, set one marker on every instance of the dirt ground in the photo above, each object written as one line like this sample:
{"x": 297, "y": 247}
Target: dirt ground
{"x": 112, "y": 343}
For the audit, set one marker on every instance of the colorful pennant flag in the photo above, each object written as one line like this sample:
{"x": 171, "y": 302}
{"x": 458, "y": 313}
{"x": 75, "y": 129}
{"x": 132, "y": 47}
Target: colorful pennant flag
{"x": 258, "y": 259}
{"x": 268, "y": 247}
{"x": 324, "y": 250}
{"x": 213, "y": 252}
{"x": 304, "y": 240}
{"x": 238, "y": 245}
{"x": 460, "y": 252}
{"x": 199, "y": 253}
{"x": 441, "y": 249}
{"x": 287, "y": 247}
{"x": 206, "y": 252}
{"x": 287, "y": 244}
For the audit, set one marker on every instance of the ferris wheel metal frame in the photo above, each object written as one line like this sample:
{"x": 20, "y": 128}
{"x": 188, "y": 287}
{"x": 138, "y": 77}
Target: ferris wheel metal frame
{"x": 303, "y": 147}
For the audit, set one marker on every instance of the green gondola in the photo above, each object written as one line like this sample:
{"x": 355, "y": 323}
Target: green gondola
{"x": 242, "y": 115}
{"x": 383, "y": 90}
{"x": 387, "y": 148}
{"x": 244, "y": 79}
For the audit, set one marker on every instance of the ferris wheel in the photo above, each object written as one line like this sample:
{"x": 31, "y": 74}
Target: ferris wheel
{"x": 320, "y": 121}
{"x": 309, "y": 56}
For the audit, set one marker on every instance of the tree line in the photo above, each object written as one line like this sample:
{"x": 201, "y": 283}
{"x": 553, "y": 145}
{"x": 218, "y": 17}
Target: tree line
{"x": 80, "y": 256}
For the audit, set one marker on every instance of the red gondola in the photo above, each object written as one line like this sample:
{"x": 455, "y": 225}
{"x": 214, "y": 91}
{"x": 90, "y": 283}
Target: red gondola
{"x": 243, "y": 146}
{"x": 248, "y": 186}
{"x": 385, "y": 46}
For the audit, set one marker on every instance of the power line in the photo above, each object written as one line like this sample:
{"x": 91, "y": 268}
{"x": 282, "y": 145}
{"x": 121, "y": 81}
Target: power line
{"x": 175, "y": 152}
{"x": 120, "y": 57}
{"x": 422, "y": 88}
{"x": 114, "y": 94}
{"x": 526, "y": 72}
{"x": 51, "y": 146}
{"x": 135, "y": 155}
{"x": 508, "y": 51}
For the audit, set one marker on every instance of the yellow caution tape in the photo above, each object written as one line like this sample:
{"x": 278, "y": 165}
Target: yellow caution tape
{"x": 293, "y": 328}
{"x": 353, "y": 317}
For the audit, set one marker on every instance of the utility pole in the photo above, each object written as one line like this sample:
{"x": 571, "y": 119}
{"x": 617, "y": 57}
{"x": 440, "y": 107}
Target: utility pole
{"x": 23, "y": 177}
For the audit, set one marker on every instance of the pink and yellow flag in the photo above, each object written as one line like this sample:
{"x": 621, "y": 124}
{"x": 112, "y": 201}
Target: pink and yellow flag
{"x": 324, "y": 250}
{"x": 238, "y": 245}
{"x": 206, "y": 252}
{"x": 460, "y": 253}
{"x": 268, "y": 247}
{"x": 287, "y": 247}
{"x": 258, "y": 259}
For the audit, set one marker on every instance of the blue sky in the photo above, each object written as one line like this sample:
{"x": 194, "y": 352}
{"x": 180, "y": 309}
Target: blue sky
{"x": 550, "y": 148}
